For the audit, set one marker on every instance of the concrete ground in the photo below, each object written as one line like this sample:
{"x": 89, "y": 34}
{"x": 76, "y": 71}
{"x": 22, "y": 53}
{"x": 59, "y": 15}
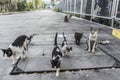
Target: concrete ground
{"x": 46, "y": 23}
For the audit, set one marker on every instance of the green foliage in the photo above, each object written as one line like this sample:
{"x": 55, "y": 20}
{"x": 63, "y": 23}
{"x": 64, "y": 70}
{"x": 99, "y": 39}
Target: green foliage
{"x": 2, "y": 11}
{"x": 39, "y": 4}
{"x": 57, "y": 10}
{"x": 77, "y": 15}
{"x": 117, "y": 24}
{"x": 4, "y": 1}
{"x": 29, "y": 6}
{"x": 53, "y": 2}
{"x": 43, "y": 5}
{"x": 21, "y": 5}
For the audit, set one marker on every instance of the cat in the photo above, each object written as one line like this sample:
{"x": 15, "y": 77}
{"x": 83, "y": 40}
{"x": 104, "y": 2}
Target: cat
{"x": 66, "y": 49}
{"x": 104, "y": 42}
{"x": 78, "y": 37}
{"x": 92, "y": 40}
{"x": 56, "y": 56}
{"x": 18, "y": 46}
{"x": 67, "y": 17}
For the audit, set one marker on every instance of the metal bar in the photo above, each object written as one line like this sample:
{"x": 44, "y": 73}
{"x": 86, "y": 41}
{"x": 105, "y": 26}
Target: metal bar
{"x": 74, "y": 6}
{"x": 116, "y": 8}
{"x": 67, "y": 5}
{"x": 102, "y": 17}
{"x": 117, "y": 18}
{"x": 92, "y": 9}
{"x": 81, "y": 6}
{"x": 70, "y": 6}
{"x": 114, "y": 11}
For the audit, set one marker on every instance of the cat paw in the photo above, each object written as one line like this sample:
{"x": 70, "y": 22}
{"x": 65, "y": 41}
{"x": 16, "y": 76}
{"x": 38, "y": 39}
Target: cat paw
{"x": 57, "y": 74}
{"x": 93, "y": 51}
{"x": 88, "y": 50}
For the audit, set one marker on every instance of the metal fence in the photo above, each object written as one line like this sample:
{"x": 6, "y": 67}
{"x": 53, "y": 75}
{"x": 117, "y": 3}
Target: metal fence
{"x": 108, "y": 9}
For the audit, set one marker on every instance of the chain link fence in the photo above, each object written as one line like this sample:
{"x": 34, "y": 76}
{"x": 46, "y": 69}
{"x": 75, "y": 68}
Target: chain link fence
{"x": 103, "y": 11}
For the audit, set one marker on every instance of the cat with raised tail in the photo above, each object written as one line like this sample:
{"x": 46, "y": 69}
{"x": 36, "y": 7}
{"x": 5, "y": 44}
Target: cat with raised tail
{"x": 65, "y": 47}
{"x": 56, "y": 56}
{"x": 19, "y": 46}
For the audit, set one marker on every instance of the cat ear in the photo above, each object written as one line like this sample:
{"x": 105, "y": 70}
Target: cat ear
{"x": 70, "y": 48}
{"x": 98, "y": 30}
{"x": 3, "y": 50}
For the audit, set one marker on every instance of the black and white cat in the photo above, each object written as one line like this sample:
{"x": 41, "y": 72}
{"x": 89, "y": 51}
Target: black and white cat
{"x": 78, "y": 37}
{"x": 67, "y": 17}
{"x": 65, "y": 47}
{"x": 104, "y": 42}
{"x": 92, "y": 40}
{"x": 56, "y": 56}
{"x": 19, "y": 46}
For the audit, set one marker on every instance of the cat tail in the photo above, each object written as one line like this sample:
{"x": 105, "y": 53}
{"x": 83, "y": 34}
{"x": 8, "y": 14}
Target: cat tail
{"x": 30, "y": 38}
{"x": 64, "y": 37}
{"x": 55, "y": 41}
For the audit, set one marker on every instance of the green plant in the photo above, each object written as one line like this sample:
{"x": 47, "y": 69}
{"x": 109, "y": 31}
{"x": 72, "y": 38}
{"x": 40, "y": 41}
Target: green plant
{"x": 2, "y": 11}
{"x": 57, "y": 10}
{"x": 21, "y": 5}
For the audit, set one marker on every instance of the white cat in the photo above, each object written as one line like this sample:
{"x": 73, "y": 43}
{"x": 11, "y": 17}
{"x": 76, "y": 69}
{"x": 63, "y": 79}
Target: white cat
{"x": 92, "y": 40}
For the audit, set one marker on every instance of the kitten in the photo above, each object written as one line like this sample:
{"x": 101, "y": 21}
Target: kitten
{"x": 56, "y": 57}
{"x": 18, "y": 46}
{"x": 67, "y": 17}
{"x": 66, "y": 49}
{"x": 104, "y": 42}
{"x": 78, "y": 37}
{"x": 92, "y": 40}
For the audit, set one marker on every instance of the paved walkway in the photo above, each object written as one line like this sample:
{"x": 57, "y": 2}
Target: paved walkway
{"x": 45, "y": 23}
